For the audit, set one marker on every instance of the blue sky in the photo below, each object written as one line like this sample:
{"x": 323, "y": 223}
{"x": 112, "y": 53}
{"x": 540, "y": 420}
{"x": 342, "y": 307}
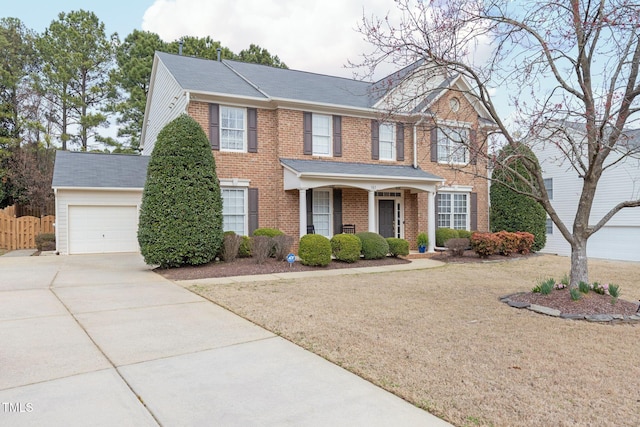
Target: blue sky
{"x": 119, "y": 16}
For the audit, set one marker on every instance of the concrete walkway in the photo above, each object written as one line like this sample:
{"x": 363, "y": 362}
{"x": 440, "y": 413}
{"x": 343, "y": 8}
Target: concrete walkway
{"x": 102, "y": 340}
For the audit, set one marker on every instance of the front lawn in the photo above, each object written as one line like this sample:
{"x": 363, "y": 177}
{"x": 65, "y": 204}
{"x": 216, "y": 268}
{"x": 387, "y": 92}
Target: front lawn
{"x": 441, "y": 339}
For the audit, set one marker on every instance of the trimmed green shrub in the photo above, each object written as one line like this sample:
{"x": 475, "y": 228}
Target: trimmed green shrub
{"x": 512, "y": 211}
{"x": 464, "y": 234}
{"x": 374, "y": 246}
{"x": 315, "y": 250}
{"x": 346, "y": 247}
{"x": 245, "y": 247}
{"x": 398, "y": 247}
{"x": 46, "y": 242}
{"x": 269, "y": 232}
{"x": 444, "y": 234}
{"x": 181, "y": 213}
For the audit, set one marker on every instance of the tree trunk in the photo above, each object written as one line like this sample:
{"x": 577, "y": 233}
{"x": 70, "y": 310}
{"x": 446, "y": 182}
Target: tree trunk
{"x": 579, "y": 267}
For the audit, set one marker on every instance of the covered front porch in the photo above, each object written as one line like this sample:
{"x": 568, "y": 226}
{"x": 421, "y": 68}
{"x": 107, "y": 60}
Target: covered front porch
{"x": 392, "y": 200}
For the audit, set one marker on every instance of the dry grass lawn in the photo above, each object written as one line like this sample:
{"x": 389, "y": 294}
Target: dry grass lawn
{"x": 441, "y": 339}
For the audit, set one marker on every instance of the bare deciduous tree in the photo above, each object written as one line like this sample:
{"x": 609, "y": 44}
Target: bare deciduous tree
{"x": 570, "y": 69}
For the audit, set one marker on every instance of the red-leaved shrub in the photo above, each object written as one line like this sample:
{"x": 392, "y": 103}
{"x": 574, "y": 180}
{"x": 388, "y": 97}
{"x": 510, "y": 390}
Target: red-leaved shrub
{"x": 485, "y": 244}
{"x": 525, "y": 241}
{"x": 509, "y": 242}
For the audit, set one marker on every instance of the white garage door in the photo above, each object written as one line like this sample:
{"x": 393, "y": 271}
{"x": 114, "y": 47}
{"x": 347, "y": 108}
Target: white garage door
{"x": 102, "y": 229}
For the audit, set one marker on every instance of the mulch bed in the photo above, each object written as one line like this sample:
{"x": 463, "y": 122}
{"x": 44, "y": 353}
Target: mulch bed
{"x": 248, "y": 266}
{"x": 590, "y": 304}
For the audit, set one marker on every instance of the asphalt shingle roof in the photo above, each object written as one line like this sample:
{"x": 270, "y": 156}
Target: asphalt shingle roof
{"x": 98, "y": 170}
{"x": 348, "y": 168}
{"x": 254, "y": 80}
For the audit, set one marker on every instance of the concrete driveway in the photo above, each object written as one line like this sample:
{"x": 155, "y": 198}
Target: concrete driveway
{"x": 102, "y": 340}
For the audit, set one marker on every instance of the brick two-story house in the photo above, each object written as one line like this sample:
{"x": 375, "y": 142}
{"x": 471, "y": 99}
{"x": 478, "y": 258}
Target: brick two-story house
{"x": 305, "y": 152}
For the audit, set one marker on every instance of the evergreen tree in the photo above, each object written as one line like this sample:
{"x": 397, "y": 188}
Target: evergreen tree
{"x": 511, "y": 210}
{"x": 181, "y": 213}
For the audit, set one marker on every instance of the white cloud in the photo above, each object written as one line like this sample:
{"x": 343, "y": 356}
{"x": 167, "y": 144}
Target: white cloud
{"x": 316, "y": 36}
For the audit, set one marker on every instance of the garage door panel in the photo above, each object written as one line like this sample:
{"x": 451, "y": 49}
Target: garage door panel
{"x": 103, "y": 229}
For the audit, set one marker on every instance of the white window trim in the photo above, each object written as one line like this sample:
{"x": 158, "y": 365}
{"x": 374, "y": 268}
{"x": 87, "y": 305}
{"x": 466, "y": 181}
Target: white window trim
{"x": 393, "y": 142}
{"x": 245, "y": 130}
{"x": 234, "y": 182}
{"x": 330, "y": 191}
{"x": 313, "y": 146}
{"x": 457, "y": 190}
{"x": 449, "y": 161}
{"x": 246, "y": 203}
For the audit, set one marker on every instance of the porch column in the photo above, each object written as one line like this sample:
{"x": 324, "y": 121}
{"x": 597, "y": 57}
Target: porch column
{"x": 303, "y": 211}
{"x": 431, "y": 218}
{"x": 372, "y": 211}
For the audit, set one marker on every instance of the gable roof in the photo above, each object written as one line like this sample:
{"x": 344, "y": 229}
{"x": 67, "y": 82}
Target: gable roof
{"x": 73, "y": 169}
{"x": 265, "y": 82}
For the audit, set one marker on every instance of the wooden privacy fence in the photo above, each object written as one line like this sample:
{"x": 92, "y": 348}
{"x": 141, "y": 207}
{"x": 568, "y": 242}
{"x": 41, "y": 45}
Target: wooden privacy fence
{"x": 20, "y": 233}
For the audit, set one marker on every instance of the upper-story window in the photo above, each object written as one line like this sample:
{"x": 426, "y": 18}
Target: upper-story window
{"x": 321, "y": 132}
{"x": 453, "y": 145}
{"x": 387, "y": 141}
{"x": 232, "y": 129}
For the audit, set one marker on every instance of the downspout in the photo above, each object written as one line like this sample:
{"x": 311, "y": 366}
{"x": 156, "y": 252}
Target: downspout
{"x": 415, "y": 141}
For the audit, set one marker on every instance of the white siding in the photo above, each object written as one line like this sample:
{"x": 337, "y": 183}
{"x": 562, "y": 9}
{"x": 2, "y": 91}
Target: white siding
{"x": 619, "y": 238}
{"x": 169, "y": 100}
{"x": 66, "y": 198}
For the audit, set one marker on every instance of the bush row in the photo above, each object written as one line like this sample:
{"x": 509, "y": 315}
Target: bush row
{"x": 503, "y": 243}
{"x": 314, "y": 249}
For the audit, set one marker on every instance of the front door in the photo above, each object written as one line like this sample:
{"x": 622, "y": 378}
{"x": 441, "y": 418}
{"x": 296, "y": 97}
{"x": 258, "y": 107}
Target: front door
{"x": 386, "y": 226}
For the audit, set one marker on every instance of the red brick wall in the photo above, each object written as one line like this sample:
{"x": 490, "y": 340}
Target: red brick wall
{"x": 280, "y": 135}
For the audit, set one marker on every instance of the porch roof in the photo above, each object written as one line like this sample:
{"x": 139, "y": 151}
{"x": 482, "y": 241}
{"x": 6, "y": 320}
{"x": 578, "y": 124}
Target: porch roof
{"x": 304, "y": 174}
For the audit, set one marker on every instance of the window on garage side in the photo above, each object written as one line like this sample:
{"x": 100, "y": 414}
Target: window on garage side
{"x": 234, "y": 210}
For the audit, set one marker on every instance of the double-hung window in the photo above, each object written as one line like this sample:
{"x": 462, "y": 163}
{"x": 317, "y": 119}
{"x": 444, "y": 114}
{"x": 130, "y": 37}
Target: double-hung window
{"x": 234, "y": 210}
{"x": 233, "y": 135}
{"x": 453, "y": 210}
{"x": 321, "y": 131}
{"x": 453, "y": 145}
{"x": 322, "y": 212}
{"x": 387, "y": 141}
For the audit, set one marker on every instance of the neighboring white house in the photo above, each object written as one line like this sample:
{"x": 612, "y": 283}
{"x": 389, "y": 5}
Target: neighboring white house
{"x": 620, "y": 238}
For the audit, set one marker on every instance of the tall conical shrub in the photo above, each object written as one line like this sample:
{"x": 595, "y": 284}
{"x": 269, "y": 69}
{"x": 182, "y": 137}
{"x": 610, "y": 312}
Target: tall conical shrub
{"x": 512, "y": 211}
{"x": 181, "y": 213}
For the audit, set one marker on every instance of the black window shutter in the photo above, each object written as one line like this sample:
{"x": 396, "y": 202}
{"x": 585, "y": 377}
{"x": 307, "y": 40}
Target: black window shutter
{"x": 434, "y": 144}
{"x": 310, "y": 207}
{"x": 473, "y": 202}
{"x": 473, "y": 147}
{"x": 400, "y": 141}
{"x": 308, "y": 133}
{"x": 252, "y": 134}
{"x": 337, "y": 136}
{"x": 253, "y": 210}
{"x": 214, "y": 126}
{"x": 375, "y": 140}
{"x": 337, "y": 210}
